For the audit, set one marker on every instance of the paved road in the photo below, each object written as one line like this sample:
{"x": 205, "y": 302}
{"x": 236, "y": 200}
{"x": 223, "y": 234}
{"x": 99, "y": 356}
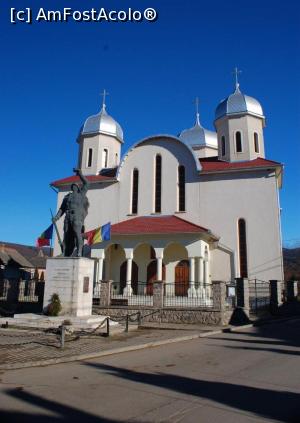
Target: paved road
{"x": 250, "y": 376}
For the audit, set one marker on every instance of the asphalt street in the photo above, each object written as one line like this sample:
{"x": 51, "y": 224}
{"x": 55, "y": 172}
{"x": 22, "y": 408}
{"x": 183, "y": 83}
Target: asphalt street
{"x": 248, "y": 376}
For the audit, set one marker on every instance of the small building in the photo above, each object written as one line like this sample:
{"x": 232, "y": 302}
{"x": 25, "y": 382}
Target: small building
{"x": 24, "y": 262}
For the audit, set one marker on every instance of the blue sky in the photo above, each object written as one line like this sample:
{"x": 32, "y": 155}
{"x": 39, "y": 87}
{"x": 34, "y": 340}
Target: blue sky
{"x": 52, "y": 75}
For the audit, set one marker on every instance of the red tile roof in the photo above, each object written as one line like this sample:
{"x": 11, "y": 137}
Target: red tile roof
{"x": 107, "y": 176}
{"x": 212, "y": 164}
{"x": 209, "y": 164}
{"x": 156, "y": 225}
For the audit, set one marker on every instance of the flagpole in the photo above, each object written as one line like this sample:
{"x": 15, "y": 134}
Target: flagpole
{"x": 51, "y": 250}
{"x": 56, "y": 230}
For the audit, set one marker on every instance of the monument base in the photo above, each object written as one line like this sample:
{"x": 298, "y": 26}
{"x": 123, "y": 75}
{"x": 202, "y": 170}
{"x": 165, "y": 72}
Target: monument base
{"x": 37, "y": 321}
{"x": 71, "y": 278}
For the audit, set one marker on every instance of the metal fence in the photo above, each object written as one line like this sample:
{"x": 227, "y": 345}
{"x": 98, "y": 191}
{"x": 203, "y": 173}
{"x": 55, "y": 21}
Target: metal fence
{"x": 97, "y": 293}
{"x": 259, "y": 295}
{"x": 21, "y": 296}
{"x": 141, "y": 294}
{"x": 182, "y": 294}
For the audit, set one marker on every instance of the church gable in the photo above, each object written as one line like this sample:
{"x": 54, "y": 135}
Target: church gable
{"x": 154, "y": 176}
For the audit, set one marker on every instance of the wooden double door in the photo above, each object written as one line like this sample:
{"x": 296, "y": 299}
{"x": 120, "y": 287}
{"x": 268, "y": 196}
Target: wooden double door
{"x": 182, "y": 278}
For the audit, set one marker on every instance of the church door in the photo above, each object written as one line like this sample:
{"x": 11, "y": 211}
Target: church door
{"x": 182, "y": 278}
{"x": 134, "y": 276}
{"x": 152, "y": 275}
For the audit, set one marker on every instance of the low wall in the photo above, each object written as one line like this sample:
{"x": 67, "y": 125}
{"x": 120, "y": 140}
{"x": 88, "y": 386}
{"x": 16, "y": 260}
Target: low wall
{"x": 207, "y": 316}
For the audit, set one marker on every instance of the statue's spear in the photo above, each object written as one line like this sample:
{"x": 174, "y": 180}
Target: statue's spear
{"x": 57, "y": 233}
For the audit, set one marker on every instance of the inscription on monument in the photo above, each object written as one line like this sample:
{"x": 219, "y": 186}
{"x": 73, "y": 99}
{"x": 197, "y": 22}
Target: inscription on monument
{"x": 61, "y": 274}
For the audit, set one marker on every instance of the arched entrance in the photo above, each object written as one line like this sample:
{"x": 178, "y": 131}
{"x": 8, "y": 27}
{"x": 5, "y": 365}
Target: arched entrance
{"x": 182, "y": 278}
{"x": 152, "y": 275}
{"x": 134, "y": 276}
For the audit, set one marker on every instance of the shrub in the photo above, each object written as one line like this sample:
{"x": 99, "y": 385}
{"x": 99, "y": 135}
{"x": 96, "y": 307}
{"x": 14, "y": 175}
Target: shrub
{"x": 55, "y": 306}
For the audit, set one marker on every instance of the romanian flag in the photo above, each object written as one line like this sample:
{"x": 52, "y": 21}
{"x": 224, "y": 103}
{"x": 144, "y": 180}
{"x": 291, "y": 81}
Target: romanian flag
{"x": 98, "y": 234}
{"x": 45, "y": 237}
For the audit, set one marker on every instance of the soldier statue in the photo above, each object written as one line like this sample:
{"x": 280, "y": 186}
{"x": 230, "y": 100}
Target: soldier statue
{"x": 74, "y": 206}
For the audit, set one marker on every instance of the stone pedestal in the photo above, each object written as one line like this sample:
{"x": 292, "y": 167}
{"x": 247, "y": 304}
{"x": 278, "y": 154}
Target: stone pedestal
{"x": 72, "y": 279}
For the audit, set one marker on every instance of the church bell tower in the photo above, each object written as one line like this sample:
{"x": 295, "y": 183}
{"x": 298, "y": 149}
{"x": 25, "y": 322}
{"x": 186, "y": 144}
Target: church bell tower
{"x": 100, "y": 141}
{"x": 239, "y": 121}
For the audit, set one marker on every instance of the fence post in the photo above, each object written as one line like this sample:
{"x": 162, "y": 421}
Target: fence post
{"x": 291, "y": 287}
{"x": 139, "y": 318}
{"x": 105, "y": 292}
{"x": 242, "y": 295}
{"x": 127, "y": 323}
{"x": 219, "y": 295}
{"x": 158, "y": 294}
{"x": 275, "y": 295}
{"x": 219, "y": 298}
{"x": 107, "y": 327}
{"x": 62, "y": 336}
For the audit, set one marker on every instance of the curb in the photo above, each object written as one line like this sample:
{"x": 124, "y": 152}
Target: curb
{"x": 129, "y": 348}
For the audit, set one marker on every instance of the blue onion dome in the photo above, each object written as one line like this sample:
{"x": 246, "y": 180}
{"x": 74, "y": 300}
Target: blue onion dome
{"x": 238, "y": 103}
{"x": 197, "y": 136}
{"x": 102, "y": 123}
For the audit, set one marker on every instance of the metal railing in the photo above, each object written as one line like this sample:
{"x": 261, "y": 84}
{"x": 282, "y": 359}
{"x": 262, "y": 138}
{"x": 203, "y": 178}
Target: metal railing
{"x": 97, "y": 293}
{"x": 138, "y": 293}
{"x": 259, "y": 295}
{"x": 185, "y": 294}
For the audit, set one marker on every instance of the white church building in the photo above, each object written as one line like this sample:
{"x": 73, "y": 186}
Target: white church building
{"x": 189, "y": 209}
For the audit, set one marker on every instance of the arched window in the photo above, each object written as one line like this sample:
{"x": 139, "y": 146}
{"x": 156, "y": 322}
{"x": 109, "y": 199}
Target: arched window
{"x": 256, "y": 143}
{"x": 158, "y": 184}
{"x": 105, "y": 158}
{"x": 238, "y": 142}
{"x": 89, "y": 158}
{"x": 242, "y": 248}
{"x": 135, "y": 191}
{"x": 181, "y": 188}
{"x": 223, "y": 145}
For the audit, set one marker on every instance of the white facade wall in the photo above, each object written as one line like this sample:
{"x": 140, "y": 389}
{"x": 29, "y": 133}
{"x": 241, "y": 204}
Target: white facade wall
{"x": 213, "y": 201}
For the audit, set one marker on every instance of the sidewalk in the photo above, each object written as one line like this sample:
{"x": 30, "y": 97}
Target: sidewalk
{"x": 27, "y": 348}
